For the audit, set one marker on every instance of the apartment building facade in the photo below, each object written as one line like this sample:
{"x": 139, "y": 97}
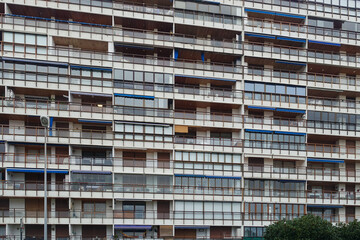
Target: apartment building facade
{"x": 177, "y": 119}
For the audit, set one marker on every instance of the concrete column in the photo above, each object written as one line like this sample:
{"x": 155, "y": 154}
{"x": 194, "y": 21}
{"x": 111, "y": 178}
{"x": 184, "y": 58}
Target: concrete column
{"x": 52, "y": 154}
{"x": 342, "y": 190}
{"x": 342, "y": 145}
{"x": 268, "y": 70}
{"x": 342, "y": 214}
{"x": 7, "y": 9}
{"x": 342, "y": 100}
{"x": 201, "y": 113}
{"x": 204, "y": 88}
{"x": 357, "y": 212}
{"x": 53, "y": 231}
{"x": 268, "y": 117}
{"x": 268, "y": 164}
{"x": 236, "y": 114}
{"x": 52, "y": 207}
{"x": 152, "y": 157}
{"x": 53, "y": 182}
{"x": 357, "y": 102}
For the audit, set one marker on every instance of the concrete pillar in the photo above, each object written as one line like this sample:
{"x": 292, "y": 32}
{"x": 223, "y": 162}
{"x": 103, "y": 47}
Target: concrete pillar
{"x": 268, "y": 70}
{"x": 152, "y": 157}
{"x": 357, "y": 102}
{"x": 342, "y": 214}
{"x": 268, "y": 117}
{"x": 342, "y": 100}
{"x": 342, "y": 190}
{"x": 7, "y": 9}
{"x": 268, "y": 164}
{"x": 53, "y": 182}
{"x": 52, "y": 208}
{"x": 357, "y": 212}
{"x": 53, "y": 231}
{"x": 236, "y": 115}
{"x": 201, "y": 113}
{"x": 342, "y": 145}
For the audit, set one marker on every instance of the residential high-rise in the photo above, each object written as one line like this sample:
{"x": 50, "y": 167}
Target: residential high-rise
{"x": 177, "y": 118}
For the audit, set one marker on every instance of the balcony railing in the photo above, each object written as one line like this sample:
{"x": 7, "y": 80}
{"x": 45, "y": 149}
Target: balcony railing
{"x": 58, "y": 134}
{"x": 90, "y": 28}
{"x": 310, "y": 6}
{"x": 302, "y": 54}
{"x": 6, "y": 215}
{"x": 119, "y": 163}
{"x": 83, "y": 189}
{"x": 300, "y": 28}
{"x": 75, "y": 56}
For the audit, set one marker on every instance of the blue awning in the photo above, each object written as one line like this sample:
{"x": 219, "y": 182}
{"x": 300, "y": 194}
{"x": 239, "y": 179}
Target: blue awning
{"x": 176, "y": 54}
{"x": 28, "y": 170}
{"x": 258, "y": 131}
{"x": 291, "y": 39}
{"x": 94, "y": 121}
{"x": 325, "y": 43}
{"x": 275, "y": 13}
{"x": 146, "y": 227}
{"x": 51, "y": 125}
{"x": 133, "y": 96}
{"x": 290, "y": 110}
{"x": 92, "y": 172}
{"x": 324, "y": 206}
{"x": 261, "y": 108}
{"x": 223, "y": 177}
{"x": 290, "y": 133}
{"x": 192, "y": 227}
{"x": 189, "y": 175}
{"x": 207, "y": 78}
{"x": 325, "y": 160}
{"x": 90, "y": 68}
{"x": 259, "y": 35}
{"x": 292, "y": 63}
{"x": 58, "y": 64}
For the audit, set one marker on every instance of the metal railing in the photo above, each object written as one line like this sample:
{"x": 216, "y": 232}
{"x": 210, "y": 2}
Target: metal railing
{"x": 308, "y": 6}
{"x": 36, "y": 133}
{"x": 90, "y": 28}
{"x": 157, "y": 215}
{"x": 300, "y": 28}
{"x": 301, "y": 53}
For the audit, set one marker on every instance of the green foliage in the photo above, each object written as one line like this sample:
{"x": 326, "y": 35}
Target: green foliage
{"x": 350, "y": 231}
{"x": 308, "y": 227}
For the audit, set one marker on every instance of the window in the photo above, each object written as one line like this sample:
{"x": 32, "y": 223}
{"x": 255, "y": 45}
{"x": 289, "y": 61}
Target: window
{"x": 91, "y": 178}
{"x": 143, "y": 80}
{"x": 17, "y": 42}
{"x": 149, "y": 132}
{"x": 257, "y": 232}
{"x": 94, "y": 209}
{"x": 135, "y": 210}
{"x": 89, "y": 72}
{"x": 208, "y": 210}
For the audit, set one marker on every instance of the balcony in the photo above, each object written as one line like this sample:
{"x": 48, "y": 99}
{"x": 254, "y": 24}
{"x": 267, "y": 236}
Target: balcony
{"x": 300, "y": 54}
{"x": 301, "y": 78}
{"x": 311, "y": 8}
{"x": 123, "y": 34}
{"x": 134, "y": 62}
{"x": 299, "y": 30}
